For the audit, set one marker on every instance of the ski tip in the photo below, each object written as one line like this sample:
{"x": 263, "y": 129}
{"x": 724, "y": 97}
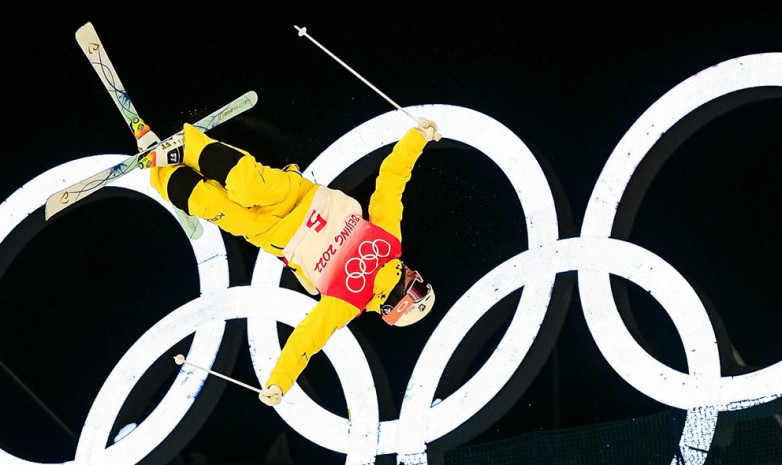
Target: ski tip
{"x": 197, "y": 233}
{"x": 191, "y": 225}
{"x": 50, "y": 208}
{"x": 85, "y": 27}
{"x": 58, "y": 202}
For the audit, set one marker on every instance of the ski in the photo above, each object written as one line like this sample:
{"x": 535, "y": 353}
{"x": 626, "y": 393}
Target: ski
{"x": 66, "y": 197}
{"x": 146, "y": 139}
{"x": 93, "y": 49}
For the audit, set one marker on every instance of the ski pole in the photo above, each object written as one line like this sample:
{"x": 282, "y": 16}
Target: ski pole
{"x": 180, "y": 359}
{"x": 303, "y": 33}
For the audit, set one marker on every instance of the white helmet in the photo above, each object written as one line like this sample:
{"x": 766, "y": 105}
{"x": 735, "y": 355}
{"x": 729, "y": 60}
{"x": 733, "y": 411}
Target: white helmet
{"x": 409, "y": 301}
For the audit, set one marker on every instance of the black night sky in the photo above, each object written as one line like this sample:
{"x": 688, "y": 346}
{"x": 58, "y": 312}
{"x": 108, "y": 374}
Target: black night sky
{"x": 568, "y": 78}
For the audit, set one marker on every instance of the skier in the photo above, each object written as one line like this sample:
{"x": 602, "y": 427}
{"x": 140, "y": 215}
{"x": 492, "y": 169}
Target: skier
{"x": 318, "y": 232}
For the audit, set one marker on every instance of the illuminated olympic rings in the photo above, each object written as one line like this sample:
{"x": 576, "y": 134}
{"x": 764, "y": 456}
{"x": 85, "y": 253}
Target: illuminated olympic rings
{"x": 703, "y": 392}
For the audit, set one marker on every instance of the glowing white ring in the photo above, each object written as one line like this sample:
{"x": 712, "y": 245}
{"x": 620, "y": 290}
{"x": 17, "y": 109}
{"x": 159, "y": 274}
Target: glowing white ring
{"x": 704, "y": 389}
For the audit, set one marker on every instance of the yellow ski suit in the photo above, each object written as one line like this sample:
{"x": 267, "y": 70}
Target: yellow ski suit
{"x": 267, "y": 205}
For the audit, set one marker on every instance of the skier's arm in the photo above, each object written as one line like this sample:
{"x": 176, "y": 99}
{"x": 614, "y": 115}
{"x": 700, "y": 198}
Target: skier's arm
{"x": 308, "y": 338}
{"x": 385, "y": 205}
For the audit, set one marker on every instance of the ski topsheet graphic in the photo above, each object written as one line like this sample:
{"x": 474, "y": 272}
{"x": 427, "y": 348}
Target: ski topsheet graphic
{"x": 93, "y": 48}
{"x": 146, "y": 140}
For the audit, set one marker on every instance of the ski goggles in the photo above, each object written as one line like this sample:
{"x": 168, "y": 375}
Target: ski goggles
{"x": 415, "y": 291}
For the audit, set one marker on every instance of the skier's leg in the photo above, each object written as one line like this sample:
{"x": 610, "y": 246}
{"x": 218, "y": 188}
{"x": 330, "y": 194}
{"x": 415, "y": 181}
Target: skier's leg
{"x": 189, "y": 191}
{"x": 246, "y": 181}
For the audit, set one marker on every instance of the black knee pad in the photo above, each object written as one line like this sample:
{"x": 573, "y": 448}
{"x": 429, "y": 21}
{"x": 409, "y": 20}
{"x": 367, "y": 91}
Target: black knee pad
{"x": 217, "y": 159}
{"x": 180, "y": 185}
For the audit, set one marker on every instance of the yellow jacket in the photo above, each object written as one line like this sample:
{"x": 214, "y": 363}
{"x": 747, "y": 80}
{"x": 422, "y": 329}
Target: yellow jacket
{"x": 267, "y": 205}
{"x": 330, "y": 314}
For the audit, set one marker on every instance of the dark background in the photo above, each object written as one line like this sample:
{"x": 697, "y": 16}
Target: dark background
{"x": 569, "y": 78}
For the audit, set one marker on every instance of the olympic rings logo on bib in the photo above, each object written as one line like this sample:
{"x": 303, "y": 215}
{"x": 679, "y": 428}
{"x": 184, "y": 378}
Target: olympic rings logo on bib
{"x": 371, "y": 256}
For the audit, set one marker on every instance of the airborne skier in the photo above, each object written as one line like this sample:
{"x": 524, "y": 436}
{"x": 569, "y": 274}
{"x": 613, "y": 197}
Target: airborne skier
{"x": 318, "y": 232}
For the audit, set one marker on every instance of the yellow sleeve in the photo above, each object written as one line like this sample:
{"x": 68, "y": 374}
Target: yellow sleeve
{"x": 308, "y": 338}
{"x": 385, "y": 205}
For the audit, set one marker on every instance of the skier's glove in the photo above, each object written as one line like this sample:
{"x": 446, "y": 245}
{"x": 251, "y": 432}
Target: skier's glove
{"x": 271, "y": 395}
{"x": 428, "y": 129}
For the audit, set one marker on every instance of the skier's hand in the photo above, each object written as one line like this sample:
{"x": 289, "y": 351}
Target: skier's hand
{"x": 428, "y": 129}
{"x": 271, "y": 396}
